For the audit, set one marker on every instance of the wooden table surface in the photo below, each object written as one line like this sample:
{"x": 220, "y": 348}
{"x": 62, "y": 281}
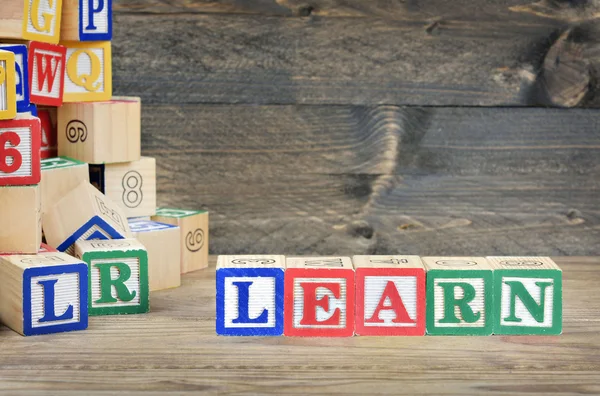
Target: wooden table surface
{"x": 174, "y": 349}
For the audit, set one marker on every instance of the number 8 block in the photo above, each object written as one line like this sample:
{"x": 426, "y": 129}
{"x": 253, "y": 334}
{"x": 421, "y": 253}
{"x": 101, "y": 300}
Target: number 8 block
{"x": 20, "y": 152}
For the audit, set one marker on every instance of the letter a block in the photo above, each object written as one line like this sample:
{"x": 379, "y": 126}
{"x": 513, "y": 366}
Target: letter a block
{"x": 250, "y": 295}
{"x": 8, "y": 87}
{"x": 44, "y": 293}
{"x": 21, "y": 75}
{"x": 459, "y": 296}
{"x": 60, "y": 175}
{"x": 86, "y": 20}
{"x": 118, "y": 276}
{"x": 47, "y": 73}
{"x": 528, "y": 295}
{"x": 31, "y": 20}
{"x": 319, "y": 297}
{"x": 20, "y": 152}
{"x": 83, "y": 214}
{"x": 102, "y": 132}
{"x": 89, "y": 71}
{"x": 390, "y": 295}
{"x": 20, "y": 219}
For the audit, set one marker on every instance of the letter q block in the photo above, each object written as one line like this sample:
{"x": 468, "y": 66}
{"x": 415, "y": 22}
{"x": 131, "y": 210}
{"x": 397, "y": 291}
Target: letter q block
{"x": 250, "y": 295}
{"x": 31, "y": 20}
{"x": 319, "y": 297}
{"x": 100, "y": 132}
{"x": 86, "y": 20}
{"x": 88, "y": 75}
{"x": 44, "y": 293}
{"x": 20, "y": 152}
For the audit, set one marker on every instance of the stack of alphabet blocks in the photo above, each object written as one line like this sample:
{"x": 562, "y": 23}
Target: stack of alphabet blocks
{"x": 387, "y": 296}
{"x": 107, "y": 245}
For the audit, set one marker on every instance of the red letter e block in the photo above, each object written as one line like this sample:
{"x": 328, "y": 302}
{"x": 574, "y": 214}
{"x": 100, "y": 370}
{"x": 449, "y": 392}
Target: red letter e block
{"x": 390, "y": 295}
{"x": 47, "y": 73}
{"x": 20, "y": 152}
{"x": 319, "y": 297}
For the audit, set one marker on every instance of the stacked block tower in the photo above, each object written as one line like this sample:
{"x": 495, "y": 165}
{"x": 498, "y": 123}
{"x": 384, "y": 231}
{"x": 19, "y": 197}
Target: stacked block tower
{"x": 72, "y": 174}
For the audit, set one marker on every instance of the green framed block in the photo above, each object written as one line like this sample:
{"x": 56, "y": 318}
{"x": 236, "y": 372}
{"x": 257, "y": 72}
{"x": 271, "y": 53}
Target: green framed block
{"x": 118, "y": 276}
{"x": 459, "y": 296}
{"x": 528, "y": 296}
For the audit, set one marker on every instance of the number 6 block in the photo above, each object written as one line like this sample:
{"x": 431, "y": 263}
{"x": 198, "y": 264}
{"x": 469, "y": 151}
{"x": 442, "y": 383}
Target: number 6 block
{"x": 20, "y": 152}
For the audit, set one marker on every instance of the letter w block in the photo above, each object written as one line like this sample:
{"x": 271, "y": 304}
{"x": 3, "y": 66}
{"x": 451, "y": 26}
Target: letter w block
{"x": 390, "y": 295}
{"x": 250, "y": 295}
{"x": 47, "y": 73}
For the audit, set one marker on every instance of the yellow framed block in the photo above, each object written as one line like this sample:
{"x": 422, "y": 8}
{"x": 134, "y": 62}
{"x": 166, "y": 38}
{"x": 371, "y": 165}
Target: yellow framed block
{"x": 20, "y": 219}
{"x": 8, "y": 86}
{"x": 37, "y": 20}
{"x": 132, "y": 185}
{"x": 100, "y": 132}
{"x": 60, "y": 175}
{"x": 88, "y": 75}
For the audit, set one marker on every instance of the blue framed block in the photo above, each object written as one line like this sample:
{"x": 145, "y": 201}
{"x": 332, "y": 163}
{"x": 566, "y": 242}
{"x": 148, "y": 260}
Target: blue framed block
{"x": 95, "y": 229}
{"x": 21, "y": 73}
{"x": 141, "y": 225}
{"x": 86, "y": 20}
{"x": 54, "y": 293}
{"x": 250, "y": 295}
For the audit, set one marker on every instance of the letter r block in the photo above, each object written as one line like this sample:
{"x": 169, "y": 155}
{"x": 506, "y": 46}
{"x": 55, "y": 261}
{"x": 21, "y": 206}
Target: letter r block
{"x": 118, "y": 276}
{"x": 528, "y": 295}
{"x": 459, "y": 296}
{"x": 43, "y": 293}
{"x": 319, "y": 297}
{"x": 250, "y": 295}
{"x": 390, "y": 295}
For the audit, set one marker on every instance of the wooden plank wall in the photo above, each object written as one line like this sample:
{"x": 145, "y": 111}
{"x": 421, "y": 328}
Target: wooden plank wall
{"x": 379, "y": 126}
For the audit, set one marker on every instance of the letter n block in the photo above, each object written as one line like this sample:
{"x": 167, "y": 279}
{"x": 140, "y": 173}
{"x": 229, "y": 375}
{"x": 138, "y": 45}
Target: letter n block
{"x": 89, "y": 71}
{"x": 47, "y": 73}
{"x": 528, "y": 295}
{"x": 118, "y": 274}
{"x": 390, "y": 295}
{"x": 250, "y": 295}
{"x": 21, "y": 75}
{"x": 459, "y": 296}
{"x": 319, "y": 297}
{"x": 19, "y": 152}
{"x": 20, "y": 219}
{"x": 60, "y": 175}
{"x": 43, "y": 293}
{"x": 8, "y": 90}
{"x": 86, "y": 20}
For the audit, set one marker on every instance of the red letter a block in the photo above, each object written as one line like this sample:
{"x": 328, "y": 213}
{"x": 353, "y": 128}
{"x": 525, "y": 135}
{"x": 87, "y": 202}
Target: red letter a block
{"x": 319, "y": 297}
{"x": 46, "y": 73}
{"x": 390, "y": 295}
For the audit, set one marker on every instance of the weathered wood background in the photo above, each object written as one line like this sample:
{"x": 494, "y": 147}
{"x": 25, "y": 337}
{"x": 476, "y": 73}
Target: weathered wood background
{"x": 379, "y": 126}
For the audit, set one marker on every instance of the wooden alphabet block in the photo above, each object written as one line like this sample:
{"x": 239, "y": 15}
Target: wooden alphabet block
{"x": 31, "y": 20}
{"x": 118, "y": 273}
{"x": 47, "y": 73}
{"x": 319, "y": 297}
{"x": 83, "y": 214}
{"x": 390, "y": 295}
{"x": 193, "y": 225}
{"x": 20, "y": 219}
{"x": 60, "y": 175}
{"x": 132, "y": 185}
{"x": 163, "y": 244}
{"x": 101, "y": 132}
{"x": 250, "y": 295}
{"x": 89, "y": 71}
{"x": 459, "y": 296}
{"x": 43, "y": 293}
{"x": 49, "y": 146}
{"x": 8, "y": 90}
{"x": 86, "y": 20}
{"x": 527, "y": 295}
{"x": 20, "y": 152}
{"x": 21, "y": 75}
{"x": 44, "y": 248}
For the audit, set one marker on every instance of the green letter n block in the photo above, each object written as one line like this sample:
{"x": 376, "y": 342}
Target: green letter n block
{"x": 528, "y": 295}
{"x": 118, "y": 280}
{"x": 459, "y": 296}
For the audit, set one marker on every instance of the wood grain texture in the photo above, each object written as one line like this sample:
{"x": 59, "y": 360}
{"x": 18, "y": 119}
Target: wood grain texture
{"x": 382, "y": 180}
{"x": 174, "y": 349}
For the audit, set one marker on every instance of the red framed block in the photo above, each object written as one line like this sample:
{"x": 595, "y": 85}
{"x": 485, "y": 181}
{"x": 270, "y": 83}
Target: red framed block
{"x": 390, "y": 295}
{"x": 20, "y": 152}
{"x": 319, "y": 297}
{"x": 49, "y": 144}
{"x": 47, "y": 73}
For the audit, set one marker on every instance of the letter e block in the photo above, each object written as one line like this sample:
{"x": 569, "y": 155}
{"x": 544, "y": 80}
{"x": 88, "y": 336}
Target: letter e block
{"x": 390, "y": 295}
{"x": 8, "y": 87}
{"x": 20, "y": 219}
{"x": 21, "y": 75}
{"x": 118, "y": 273}
{"x": 83, "y": 214}
{"x": 89, "y": 71}
{"x": 86, "y": 20}
{"x": 20, "y": 152}
{"x": 47, "y": 73}
{"x": 528, "y": 295}
{"x": 459, "y": 296}
{"x": 102, "y": 132}
{"x": 250, "y": 295}
{"x": 193, "y": 225}
{"x": 44, "y": 293}
{"x": 319, "y": 297}
{"x": 163, "y": 244}
{"x": 60, "y": 175}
